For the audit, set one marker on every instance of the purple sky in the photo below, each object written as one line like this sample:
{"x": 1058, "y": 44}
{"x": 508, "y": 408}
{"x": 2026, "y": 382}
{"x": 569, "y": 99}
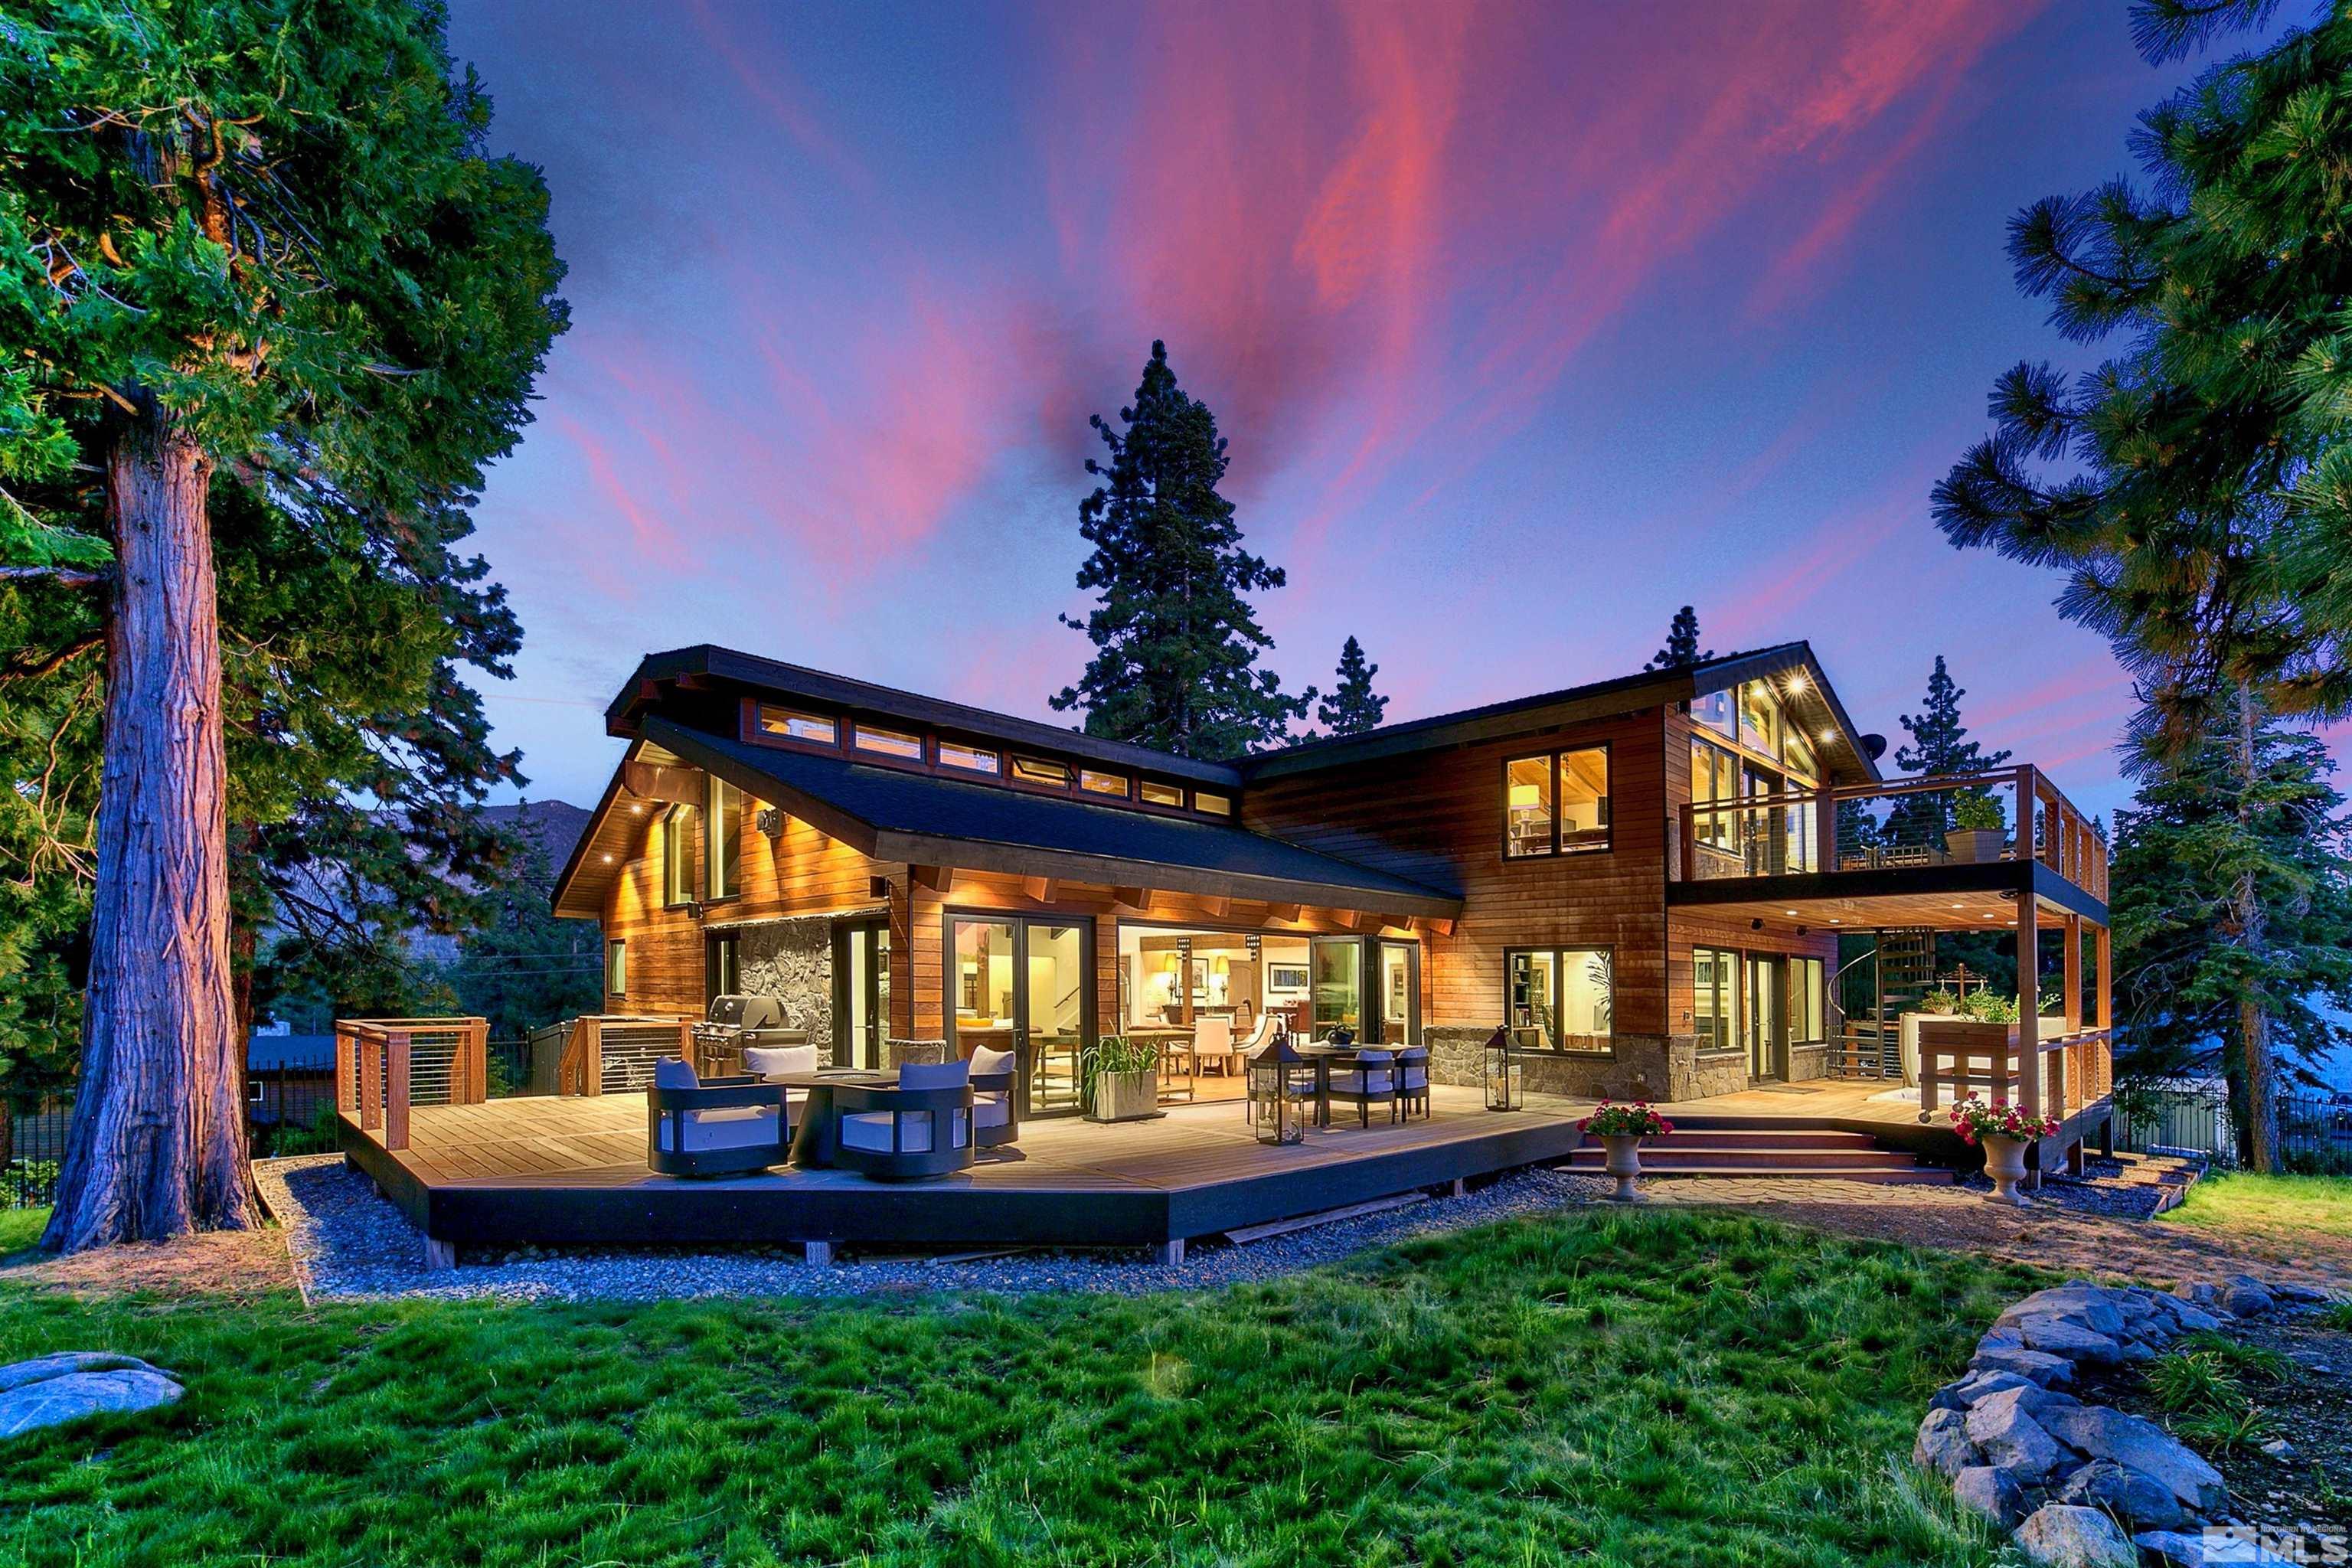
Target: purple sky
{"x": 1527, "y": 324}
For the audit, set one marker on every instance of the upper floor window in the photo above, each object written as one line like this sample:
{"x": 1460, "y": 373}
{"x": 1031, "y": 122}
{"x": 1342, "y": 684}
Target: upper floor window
{"x": 1041, "y": 770}
{"x": 974, "y": 759}
{"x": 888, "y": 742}
{"x": 723, "y": 857}
{"x": 1156, "y": 793}
{"x": 1804, "y": 763}
{"x": 1556, "y": 804}
{"x": 1759, "y": 718}
{"x": 1094, "y": 783}
{"x": 1714, "y": 709}
{"x": 1215, "y": 805}
{"x": 1715, "y": 779}
{"x": 678, "y": 854}
{"x": 617, "y": 967}
{"x": 793, "y": 725}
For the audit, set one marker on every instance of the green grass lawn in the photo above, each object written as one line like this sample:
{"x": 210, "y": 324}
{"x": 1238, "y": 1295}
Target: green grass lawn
{"x": 1662, "y": 1386}
{"x": 2269, "y": 1205}
{"x": 21, "y": 1228}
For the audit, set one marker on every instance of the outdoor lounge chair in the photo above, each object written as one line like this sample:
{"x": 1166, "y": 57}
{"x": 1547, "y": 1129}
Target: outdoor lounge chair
{"x": 921, "y": 1128}
{"x": 1371, "y": 1079}
{"x": 771, "y": 1062}
{"x": 1413, "y": 1080}
{"x": 995, "y": 1118}
{"x": 712, "y": 1127}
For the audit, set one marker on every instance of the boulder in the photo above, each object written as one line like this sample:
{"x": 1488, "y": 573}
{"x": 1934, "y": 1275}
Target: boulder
{"x": 17, "y": 1374}
{"x": 65, "y": 1393}
{"x": 2103, "y": 1433}
{"x": 2072, "y": 1339}
{"x": 2202, "y": 1293}
{"x": 2067, "y": 1535}
{"x": 2173, "y": 1549}
{"x": 2011, "y": 1438}
{"x": 2298, "y": 1293}
{"x": 1943, "y": 1443}
{"x": 2036, "y": 1366}
{"x": 2247, "y": 1297}
{"x": 1991, "y": 1493}
{"x": 2084, "y": 1303}
{"x": 1978, "y": 1385}
{"x": 2189, "y": 1318}
{"x": 2140, "y": 1501}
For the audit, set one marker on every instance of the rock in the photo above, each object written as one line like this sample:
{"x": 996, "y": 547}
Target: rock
{"x": 1991, "y": 1493}
{"x": 2174, "y": 1550}
{"x": 2279, "y": 1448}
{"x": 2000, "y": 1339}
{"x": 41, "y": 1368}
{"x": 2067, "y": 1535}
{"x": 2084, "y": 1304}
{"x": 2106, "y": 1434}
{"x": 2036, "y": 1366}
{"x": 2190, "y": 1318}
{"x": 2248, "y": 1300}
{"x": 2075, "y": 1339}
{"x": 65, "y": 1393}
{"x": 2142, "y": 1501}
{"x": 2294, "y": 1291}
{"x": 2203, "y": 1294}
{"x": 1943, "y": 1443}
{"x": 1980, "y": 1385}
{"x": 2011, "y": 1438}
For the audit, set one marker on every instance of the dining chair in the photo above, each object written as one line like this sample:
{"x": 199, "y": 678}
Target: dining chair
{"x": 1369, "y": 1080}
{"x": 1413, "y": 1080}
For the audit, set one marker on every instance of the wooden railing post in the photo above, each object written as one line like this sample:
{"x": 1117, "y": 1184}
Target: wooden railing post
{"x": 1690, "y": 842}
{"x": 1826, "y": 831}
{"x": 592, "y": 1057}
{"x": 371, "y": 1080}
{"x": 347, "y": 1071}
{"x": 479, "y": 1053}
{"x": 396, "y": 1048}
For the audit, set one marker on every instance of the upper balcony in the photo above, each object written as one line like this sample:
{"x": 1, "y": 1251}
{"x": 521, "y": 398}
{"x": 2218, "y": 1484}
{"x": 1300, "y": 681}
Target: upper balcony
{"x": 1954, "y": 853}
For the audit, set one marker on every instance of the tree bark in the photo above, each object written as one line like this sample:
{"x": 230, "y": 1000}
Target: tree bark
{"x": 157, "y": 1144}
{"x": 2253, "y": 922}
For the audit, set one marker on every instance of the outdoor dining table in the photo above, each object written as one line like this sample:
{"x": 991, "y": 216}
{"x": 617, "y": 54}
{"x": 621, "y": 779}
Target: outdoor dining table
{"x": 813, "y": 1144}
{"x": 1323, "y": 1056}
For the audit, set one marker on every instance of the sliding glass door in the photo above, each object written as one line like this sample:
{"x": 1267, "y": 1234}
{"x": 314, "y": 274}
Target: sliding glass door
{"x": 861, "y": 993}
{"x": 1024, "y": 986}
{"x": 1337, "y": 984}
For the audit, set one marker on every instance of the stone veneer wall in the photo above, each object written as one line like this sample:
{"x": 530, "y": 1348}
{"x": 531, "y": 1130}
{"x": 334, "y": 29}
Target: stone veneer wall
{"x": 1641, "y": 1066}
{"x": 791, "y": 960}
{"x": 1808, "y": 1062}
{"x": 896, "y": 1054}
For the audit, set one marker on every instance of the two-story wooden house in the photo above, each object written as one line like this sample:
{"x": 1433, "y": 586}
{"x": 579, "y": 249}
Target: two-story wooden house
{"x": 1671, "y": 885}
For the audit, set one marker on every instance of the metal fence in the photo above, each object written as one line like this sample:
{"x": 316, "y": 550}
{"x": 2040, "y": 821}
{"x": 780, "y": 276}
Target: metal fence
{"x": 2194, "y": 1119}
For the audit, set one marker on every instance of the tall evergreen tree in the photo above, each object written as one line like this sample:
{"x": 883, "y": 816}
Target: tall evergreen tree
{"x": 1940, "y": 747}
{"x": 1353, "y": 707}
{"x": 2185, "y": 977}
{"x": 1682, "y": 643}
{"x": 254, "y": 244}
{"x": 1176, "y": 642}
{"x": 2192, "y": 487}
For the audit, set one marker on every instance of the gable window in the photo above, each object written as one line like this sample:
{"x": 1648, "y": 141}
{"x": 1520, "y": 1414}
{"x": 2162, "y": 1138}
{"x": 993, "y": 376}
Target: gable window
{"x": 1040, "y": 771}
{"x": 793, "y": 725}
{"x": 1094, "y": 783}
{"x": 1759, "y": 718}
{"x": 1155, "y": 793}
{"x": 617, "y": 967}
{"x": 678, "y": 854}
{"x": 888, "y": 742}
{"x": 723, "y": 857}
{"x": 1715, "y": 780}
{"x": 1215, "y": 805}
{"x": 1714, "y": 709}
{"x": 1561, "y": 998}
{"x": 1526, "y": 807}
{"x": 1557, "y": 803}
{"x": 973, "y": 759}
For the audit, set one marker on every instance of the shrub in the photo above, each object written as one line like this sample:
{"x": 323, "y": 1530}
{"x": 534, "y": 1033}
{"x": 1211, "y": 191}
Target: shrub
{"x": 1974, "y": 1120}
{"x": 2199, "y": 1381}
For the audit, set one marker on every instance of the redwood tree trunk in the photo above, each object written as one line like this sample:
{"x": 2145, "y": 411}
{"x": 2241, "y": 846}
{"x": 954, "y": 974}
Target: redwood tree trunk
{"x": 157, "y": 1145}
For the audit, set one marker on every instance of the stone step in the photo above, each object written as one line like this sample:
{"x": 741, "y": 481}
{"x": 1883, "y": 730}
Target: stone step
{"x": 1905, "y": 1176}
{"x": 1758, "y": 1137}
{"x": 1701, "y": 1157}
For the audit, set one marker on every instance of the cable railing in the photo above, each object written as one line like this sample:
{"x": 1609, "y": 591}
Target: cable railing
{"x": 386, "y": 1066}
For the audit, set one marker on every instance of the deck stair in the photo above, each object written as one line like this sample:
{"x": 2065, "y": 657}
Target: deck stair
{"x": 1903, "y": 972}
{"x": 1726, "y": 1146}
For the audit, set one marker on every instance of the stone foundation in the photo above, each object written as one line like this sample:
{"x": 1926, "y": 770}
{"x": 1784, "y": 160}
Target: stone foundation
{"x": 791, "y": 960}
{"x": 1807, "y": 1062}
{"x": 1660, "y": 1068}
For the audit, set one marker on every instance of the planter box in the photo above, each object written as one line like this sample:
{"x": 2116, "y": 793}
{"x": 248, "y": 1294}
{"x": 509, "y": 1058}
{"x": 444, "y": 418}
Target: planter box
{"x": 1975, "y": 845}
{"x": 1127, "y": 1096}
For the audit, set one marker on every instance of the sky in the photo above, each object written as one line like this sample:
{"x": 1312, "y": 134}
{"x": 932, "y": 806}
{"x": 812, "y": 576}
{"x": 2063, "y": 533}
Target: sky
{"x": 1526, "y": 323}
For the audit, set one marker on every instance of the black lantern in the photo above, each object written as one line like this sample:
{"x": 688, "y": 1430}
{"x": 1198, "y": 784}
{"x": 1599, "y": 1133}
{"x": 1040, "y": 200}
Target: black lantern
{"x": 1507, "y": 1087}
{"x": 1276, "y": 1113}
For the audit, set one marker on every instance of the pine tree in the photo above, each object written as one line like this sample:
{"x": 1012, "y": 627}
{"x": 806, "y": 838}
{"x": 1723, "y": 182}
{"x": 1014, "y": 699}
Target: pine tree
{"x": 291, "y": 270}
{"x": 2185, "y": 972}
{"x": 1939, "y": 748}
{"x": 1353, "y": 707}
{"x": 2205, "y": 517}
{"x": 1176, "y": 643}
{"x": 1681, "y": 644}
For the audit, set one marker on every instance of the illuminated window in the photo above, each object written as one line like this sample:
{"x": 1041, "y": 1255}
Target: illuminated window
{"x": 1038, "y": 771}
{"x": 888, "y": 743}
{"x": 1561, "y": 998}
{"x": 1526, "y": 807}
{"x": 678, "y": 854}
{"x": 796, "y": 726}
{"x": 1804, "y": 767}
{"x": 1094, "y": 782}
{"x": 1215, "y": 805}
{"x": 617, "y": 967}
{"x": 723, "y": 857}
{"x": 1759, "y": 718}
{"x": 1714, "y": 709}
{"x": 1584, "y": 799}
{"x": 1714, "y": 973}
{"x": 974, "y": 759}
{"x": 1714, "y": 778}
{"x": 1162, "y": 793}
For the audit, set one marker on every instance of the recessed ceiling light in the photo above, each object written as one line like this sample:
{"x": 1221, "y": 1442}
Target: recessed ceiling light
{"x": 1835, "y": 921}
{"x": 1956, "y": 906}
{"x": 636, "y": 808}
{"x": 1787, "y": 911}
{"x": 1829, "y": 734}
{"x": 608, "y": 860}
{"x": 1797, "y": 682}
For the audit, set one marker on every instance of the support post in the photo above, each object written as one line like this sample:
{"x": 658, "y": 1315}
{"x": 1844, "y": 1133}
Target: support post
{"x": 2029, "y": 996}
{"x": 439, "y": 1255}
{"x": 396, "y": 1063}
{"x": 592, "y": 1056}
{"x": 819, "y": 1253}
{"x": 370, "y": 1081}
{"x": 347, "y": 1071}
{"x": 1169, "y": 1254}
{"x": 1825, "y": 829}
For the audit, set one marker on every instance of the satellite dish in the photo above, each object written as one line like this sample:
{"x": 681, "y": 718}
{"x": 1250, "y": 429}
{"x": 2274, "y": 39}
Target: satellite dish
{"x": 1874, "y": 746}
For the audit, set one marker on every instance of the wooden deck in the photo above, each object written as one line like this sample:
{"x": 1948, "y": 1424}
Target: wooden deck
{"x": 571, "y": 1172}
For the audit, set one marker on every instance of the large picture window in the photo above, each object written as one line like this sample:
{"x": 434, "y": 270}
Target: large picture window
{"x": 1715, "y": 779}
{"x": 723, "y": 857}
{"x": 1808, "y": 1002}
{"x": 1556, "y": 804}
{"x": 678, "y": 854}
{"x": 1561, "y": 998}
{"x": 1715, "y": 973}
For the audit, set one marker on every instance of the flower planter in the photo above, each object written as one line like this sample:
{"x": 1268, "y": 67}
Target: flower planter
{"x": 2005, "y": 1163}
{"x": 1127, "y": 1096}
{"x": 1975, "y": 845}
{"x": 1624, "y": 1162}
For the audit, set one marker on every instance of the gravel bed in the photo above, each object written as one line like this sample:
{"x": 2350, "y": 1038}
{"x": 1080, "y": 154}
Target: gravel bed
{"x": 2100, "y": 1190}
{"x": 349, "y": 1244}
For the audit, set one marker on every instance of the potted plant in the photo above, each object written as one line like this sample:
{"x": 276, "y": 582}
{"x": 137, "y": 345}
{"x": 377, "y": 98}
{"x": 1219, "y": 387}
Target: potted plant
{"x": 1978, "y": 830}
{"x": 1122, "y": 1080}
{"x": 1620, "y": 1129}
{"x": 2003, "y": 1132}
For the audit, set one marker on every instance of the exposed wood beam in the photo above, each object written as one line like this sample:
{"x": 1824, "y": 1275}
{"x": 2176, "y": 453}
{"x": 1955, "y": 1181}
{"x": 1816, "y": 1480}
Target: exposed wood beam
{"x": 651, "y": 781}
{"x": 1348, "y": 918}
{"x": 1131, "y": 898}
{"x": 938, "y": 878}
{"x": 1040, "y": 889}
{"x": 1218, "y": 908}
{"x": 1283, "y": 912}
{"x": 1439, "y": 924}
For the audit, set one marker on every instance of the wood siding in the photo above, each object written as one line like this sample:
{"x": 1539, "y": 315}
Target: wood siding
{"x": 1437, "y": 818}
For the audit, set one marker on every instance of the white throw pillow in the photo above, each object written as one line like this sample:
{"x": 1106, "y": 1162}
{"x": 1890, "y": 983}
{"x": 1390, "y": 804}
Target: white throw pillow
{"x": 984, "y": 1060}
{"x": 775, "y": 1062}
